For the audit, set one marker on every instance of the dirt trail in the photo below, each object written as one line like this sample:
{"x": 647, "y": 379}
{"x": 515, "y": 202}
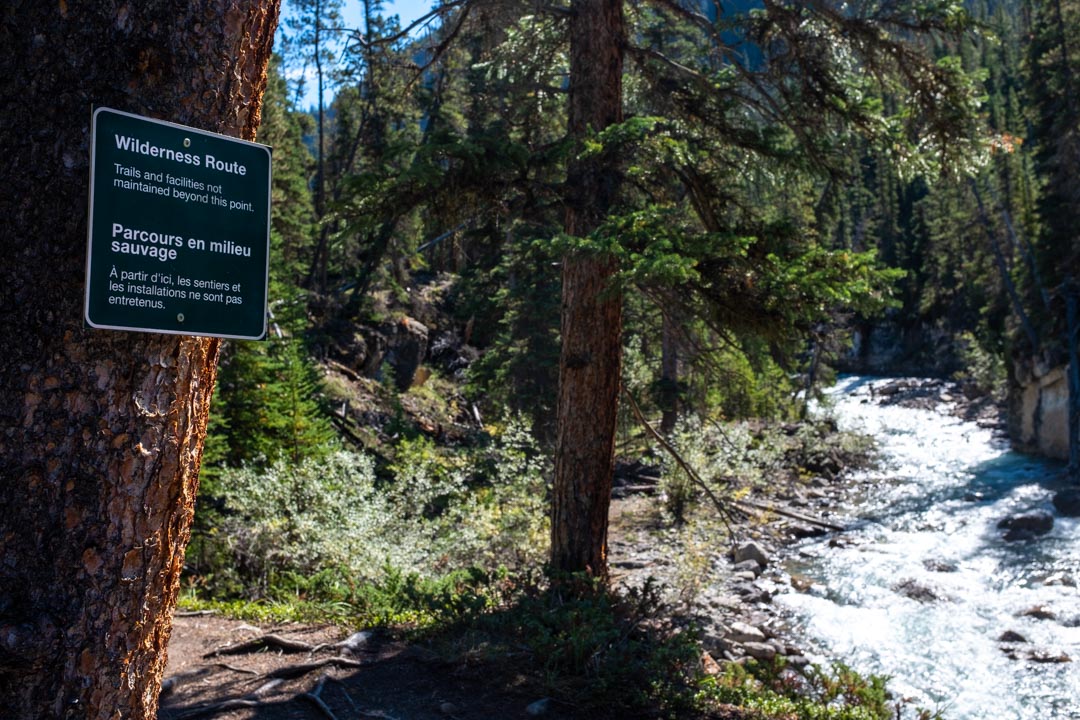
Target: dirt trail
{"x": 382, "y": 678}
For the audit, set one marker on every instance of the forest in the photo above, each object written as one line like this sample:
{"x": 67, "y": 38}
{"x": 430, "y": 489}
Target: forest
{"x": 559, "y": 294}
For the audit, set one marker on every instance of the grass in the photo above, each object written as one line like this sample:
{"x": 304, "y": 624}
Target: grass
{"x": 408, "y": 602}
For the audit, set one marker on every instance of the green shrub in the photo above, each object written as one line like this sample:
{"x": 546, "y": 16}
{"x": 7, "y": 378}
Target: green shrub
{"x": 773, "y": 690}
{"x": 984, "y": 370}
{"x": 726, "y": 457}
{"x": 436, "y": 514}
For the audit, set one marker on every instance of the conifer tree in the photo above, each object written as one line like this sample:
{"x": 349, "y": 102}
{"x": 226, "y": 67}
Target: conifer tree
{"x": 101, "y": 431}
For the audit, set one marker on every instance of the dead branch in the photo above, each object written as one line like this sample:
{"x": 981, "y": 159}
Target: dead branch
{"x": 342, "y": 424}
{"x": 343, "y": 369}
{"x": 746, "y": 506}
{"x": 724, "y": 510}
{"x": 769, "y": 507}
{"x": 407, "y": 30}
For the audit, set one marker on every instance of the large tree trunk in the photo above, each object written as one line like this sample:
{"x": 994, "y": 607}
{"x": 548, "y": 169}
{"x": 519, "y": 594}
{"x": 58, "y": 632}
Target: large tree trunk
{"x": 100, "y": 432}
{"x": 589, "y": 364}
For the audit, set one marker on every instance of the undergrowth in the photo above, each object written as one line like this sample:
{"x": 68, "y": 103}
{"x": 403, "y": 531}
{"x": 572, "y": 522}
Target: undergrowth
{"x": 737, "y": 458}
{"x": 445, "y": 548}
{"x": 326, "y": 528}
{"x": 772, "y": 690}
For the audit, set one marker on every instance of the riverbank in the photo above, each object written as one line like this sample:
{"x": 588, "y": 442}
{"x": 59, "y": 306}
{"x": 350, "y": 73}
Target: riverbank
{"x": 959, "y": 575}
{"x": 722, "y": 575}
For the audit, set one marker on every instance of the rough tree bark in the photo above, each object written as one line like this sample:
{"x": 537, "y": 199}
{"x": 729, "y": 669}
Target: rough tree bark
{"x": 589, "y": 364}
{"x": 100, "y": 432}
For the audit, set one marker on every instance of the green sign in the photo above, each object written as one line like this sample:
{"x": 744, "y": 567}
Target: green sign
{"x": 179, "y": 232}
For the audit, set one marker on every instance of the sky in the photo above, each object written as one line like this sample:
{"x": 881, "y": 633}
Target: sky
{"x": 353, "y": 14}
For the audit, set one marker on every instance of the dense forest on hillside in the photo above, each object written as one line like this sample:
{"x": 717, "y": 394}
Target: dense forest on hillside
{"x": 780, "y": 192}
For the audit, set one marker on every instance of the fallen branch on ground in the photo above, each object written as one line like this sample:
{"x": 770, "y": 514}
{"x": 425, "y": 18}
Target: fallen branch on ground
{"x": 725, "y": 512}
{"x": 745, "y": 506}
{"x": 768, "y": 507}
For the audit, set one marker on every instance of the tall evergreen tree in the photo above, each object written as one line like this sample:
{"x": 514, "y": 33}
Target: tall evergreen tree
{"x": 100, "y": 432}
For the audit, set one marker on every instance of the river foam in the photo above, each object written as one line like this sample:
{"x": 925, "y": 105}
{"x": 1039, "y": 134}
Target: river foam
{"x": 926, "y": 587}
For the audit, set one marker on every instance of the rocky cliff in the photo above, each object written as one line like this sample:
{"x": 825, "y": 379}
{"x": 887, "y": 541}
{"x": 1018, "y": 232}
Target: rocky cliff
{"x": 1038, "y": 409}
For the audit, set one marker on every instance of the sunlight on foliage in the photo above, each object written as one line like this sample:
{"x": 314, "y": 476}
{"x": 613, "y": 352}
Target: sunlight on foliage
{"x": 438, "y": 513}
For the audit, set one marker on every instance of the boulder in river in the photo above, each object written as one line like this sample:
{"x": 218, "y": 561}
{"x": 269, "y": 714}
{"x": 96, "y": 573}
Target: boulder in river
{"x": 916, "y": 591}
{"x": 1067, "y": 502}
{"x": 1011, "y": 636}
{"x": 1043, "y": 655}
{"x": 1027, "y": 526}
{"x": 1039, "y": 612}
{"x": 942, "y": 566}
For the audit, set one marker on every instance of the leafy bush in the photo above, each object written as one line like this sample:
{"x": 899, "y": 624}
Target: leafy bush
{"x": 772, "y": 690}
{"x": 437, "y": 513}
{"x": 725, "y": 457}
{"x": 984, "y": 370}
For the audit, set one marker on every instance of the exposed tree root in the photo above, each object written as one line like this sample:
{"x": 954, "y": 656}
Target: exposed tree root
{"x": 251, "y": 700}
{"x": 235, "y": 669}
{"x": 351, "y": 645}
{"x": 315, "y": 698}
{"x": 265, "y": 641}
{"x": 294, "y": 671}
{"x": 169, "y": 684}
{"x": 218, "y": 708}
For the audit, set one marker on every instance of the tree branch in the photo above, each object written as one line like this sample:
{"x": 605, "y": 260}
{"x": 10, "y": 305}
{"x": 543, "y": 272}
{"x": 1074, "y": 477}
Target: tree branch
{"x": 407, "y": 30}
{"x": 725, "y": 513}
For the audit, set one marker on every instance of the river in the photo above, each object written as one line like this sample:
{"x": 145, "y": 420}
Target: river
{"x": 927, "y": 526}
